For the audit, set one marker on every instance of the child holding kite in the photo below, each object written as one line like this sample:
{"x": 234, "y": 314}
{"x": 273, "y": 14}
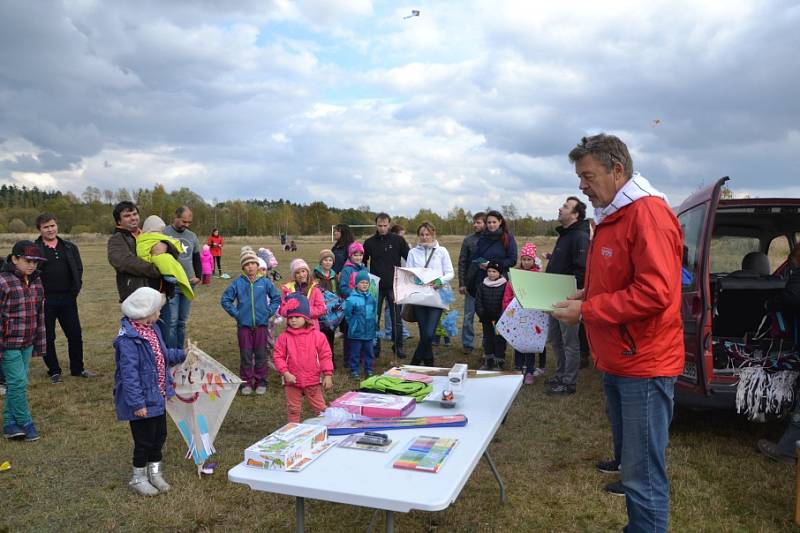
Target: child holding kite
{"x": 303, "y": 358}
{"x": 528, "y": 260}
{"x": 143, "y": 384}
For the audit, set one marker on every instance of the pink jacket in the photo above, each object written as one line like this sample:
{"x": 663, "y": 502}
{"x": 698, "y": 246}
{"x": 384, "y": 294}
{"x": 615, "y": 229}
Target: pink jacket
{"x": 304, "y": 352}
{"x": 207, "y": 260}
{"x": 316, "y": 302}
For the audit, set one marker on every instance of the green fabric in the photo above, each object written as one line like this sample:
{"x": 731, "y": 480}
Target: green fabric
{"x": 165, "y": 263}
{"x": 440, "y": 331}
{"x": 15, "y": 367}
{"x": 392, "y": 385}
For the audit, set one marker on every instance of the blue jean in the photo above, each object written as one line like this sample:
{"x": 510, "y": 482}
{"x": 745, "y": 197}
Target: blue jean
{"x": 174, "y": 316}
{"x": 16, "y": 364}
{"x": 358, "y": 349}
{"x": 427, "y": 320}
{"x": 467, "y": 327}
{"x": 640, "y": 411}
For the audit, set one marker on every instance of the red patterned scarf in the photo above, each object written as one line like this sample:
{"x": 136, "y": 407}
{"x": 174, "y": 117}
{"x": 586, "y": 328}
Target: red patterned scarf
{"x": 149, "y": 334}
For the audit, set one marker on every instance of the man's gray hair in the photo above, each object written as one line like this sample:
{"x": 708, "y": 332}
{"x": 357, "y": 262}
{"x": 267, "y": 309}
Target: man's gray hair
{"x": 607, "y": 150}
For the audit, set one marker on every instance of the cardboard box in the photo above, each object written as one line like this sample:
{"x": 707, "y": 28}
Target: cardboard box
{"x": 457, "y": 377}
{"x": 286, "y": 448}
{"x": 375, "y": 405}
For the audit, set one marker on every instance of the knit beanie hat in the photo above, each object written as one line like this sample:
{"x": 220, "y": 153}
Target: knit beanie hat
{"x": 296, "y": 265}
{"x": 494, "y": 265}
{"x": 206, "y": 248}
{"x": 326, "y": 253}
{"x": 142, "y": 303}
{"x": 355, "y": 247}
{"x": 246, "y": 248}
{"x": 153, "y": 223}
{"x": 296, "y": 304}
{"x": 362, "y": 275}
{"x": 262, "y": 264}
{"x": 248, "y": 256}
{"x": 528, "y": 250}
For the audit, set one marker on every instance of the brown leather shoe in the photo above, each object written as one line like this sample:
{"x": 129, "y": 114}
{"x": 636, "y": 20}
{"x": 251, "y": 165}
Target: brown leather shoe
{"x": 770, "y": 449}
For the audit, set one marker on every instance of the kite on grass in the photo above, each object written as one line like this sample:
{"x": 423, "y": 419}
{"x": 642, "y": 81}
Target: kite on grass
{"x": 204, "y": 391}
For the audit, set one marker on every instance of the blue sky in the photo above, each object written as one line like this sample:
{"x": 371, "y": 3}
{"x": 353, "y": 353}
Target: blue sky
{"x": 473, "y": 103}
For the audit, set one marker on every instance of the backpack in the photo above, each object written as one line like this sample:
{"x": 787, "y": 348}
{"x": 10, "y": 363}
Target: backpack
{"x": 399, "y": 386}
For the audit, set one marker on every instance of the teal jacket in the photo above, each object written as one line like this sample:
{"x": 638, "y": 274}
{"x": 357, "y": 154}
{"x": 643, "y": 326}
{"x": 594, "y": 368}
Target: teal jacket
{"x": 347, "y": 278}
{"x": 361, "y": 313}
{"x": 251, "y": 304}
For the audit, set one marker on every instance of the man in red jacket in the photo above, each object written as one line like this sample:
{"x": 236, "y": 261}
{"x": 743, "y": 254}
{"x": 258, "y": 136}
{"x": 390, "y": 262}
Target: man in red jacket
{"x": 630, "y": 307}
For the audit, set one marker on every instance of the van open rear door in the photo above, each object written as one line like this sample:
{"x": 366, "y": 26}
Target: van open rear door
{"x": 696, "y": 215}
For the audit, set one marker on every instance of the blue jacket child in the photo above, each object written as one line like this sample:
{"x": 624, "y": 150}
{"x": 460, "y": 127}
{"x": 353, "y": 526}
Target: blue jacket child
{"x": 143, "y": 384}
{"x": 255, "y": 302}
{"x": 361, "y": 312}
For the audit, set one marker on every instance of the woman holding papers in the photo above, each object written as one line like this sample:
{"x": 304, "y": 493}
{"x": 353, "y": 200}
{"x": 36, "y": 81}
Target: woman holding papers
{"x": 428, "y": 254}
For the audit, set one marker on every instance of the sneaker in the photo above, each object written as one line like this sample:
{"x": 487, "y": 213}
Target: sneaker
{"x": 355, "y": 375}
{"x": 85, "y": 374}
{"x": 538, "y": 372}
{"x": 501, "y": 363}
{"x": 30, "y": 432}
{"x": 247, "y": 390}
{"x": 261, "y": 390}
{"x": 466, "y": 350}
{"x": 55, "y": 379}
{"x": 615, "y": 489}
{"x": 528, "y": 379}
{"x": 13, "y": 431}
{"x": 555, "y": 380}
{"x": 608, "y": 467}
{"x": 488, "y": 364}
{"x": 561, "y": 390}
{"x": 770, "y": 449}
{"x": 370, "y": 373}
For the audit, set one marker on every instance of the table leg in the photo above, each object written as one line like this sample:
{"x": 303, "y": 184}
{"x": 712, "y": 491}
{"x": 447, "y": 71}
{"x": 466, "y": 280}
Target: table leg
{"x": 496, "y": 476}
{"x": 389, "y": 521}
{"x": 299, "y": 518}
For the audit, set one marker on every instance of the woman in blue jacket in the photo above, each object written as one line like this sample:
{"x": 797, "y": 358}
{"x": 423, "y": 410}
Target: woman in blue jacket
{"x": 497, "y": 245}
{"x": 143, "y": 384}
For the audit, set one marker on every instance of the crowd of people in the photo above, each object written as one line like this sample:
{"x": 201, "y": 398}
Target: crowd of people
{"x": 627, "y": 268}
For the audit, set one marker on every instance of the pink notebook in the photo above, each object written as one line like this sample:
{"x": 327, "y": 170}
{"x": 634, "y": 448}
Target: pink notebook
{"x": 375, "y": 405}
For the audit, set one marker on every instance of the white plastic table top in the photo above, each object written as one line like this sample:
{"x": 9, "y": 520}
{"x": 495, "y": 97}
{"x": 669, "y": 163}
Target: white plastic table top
{"x": 367, "y": 479}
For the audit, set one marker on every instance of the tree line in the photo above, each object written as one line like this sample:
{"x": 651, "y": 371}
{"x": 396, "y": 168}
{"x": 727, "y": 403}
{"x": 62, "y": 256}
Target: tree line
{"x": 91, "y": 213}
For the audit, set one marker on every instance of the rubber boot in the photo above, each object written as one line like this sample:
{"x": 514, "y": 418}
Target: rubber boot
{"x": 140, "y": 484}
{"x": 156, "y": 477}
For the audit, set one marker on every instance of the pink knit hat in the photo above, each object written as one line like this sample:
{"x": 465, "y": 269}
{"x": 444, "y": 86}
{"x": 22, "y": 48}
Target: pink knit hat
{"x": 528, "y": 250}
{"x": 355, "y": 247}
{"x": 296, "y": 265}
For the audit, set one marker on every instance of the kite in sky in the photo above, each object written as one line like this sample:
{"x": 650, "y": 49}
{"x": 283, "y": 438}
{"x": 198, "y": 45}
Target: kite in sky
{"x": 414, "y": 13}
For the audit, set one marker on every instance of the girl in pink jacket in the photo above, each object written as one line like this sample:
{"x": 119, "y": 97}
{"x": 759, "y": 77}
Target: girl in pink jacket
{"x": 303, "y": 358}
{"x": 304, "y": 283}
{"x": 207, "y": 262}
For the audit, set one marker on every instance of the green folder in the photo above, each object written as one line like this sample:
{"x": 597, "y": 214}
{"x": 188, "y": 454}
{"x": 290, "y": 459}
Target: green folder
{"x": 539, "y": 290}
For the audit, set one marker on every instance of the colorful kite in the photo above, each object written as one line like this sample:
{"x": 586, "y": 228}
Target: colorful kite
{"x": 414, "y": 13}
{"x": 204, "y": 391}
{"x": 524, "y": 329}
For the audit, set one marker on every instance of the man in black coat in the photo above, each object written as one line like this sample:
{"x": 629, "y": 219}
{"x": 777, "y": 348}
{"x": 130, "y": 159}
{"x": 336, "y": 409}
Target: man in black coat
{"x": 569, "y": 257}
{"x": 384, "y": 251}
{"x": 62, "y": 277}
{"x": 132, "y": 271}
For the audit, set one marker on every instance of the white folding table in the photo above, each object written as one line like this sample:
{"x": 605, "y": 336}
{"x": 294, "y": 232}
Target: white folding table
{"x": 367, "y": 479}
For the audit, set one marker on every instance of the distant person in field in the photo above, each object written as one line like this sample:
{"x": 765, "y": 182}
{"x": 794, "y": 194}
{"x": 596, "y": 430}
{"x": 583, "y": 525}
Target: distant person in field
{"x": 175, "y": 314}
{"x": 216, "y": 242}
{"x": 23, "y": 335}
{"x": 384, "y": 251}
{"x": 465, "y": 262}
{"x": 342, "y": 239}
{"x": 62, "y": 277}
{"x": 207, "y": 263}
{"x": 132, "y": 271}
{"x": 631, "y": 306}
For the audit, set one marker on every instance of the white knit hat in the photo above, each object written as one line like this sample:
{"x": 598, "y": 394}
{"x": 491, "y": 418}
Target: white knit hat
{"x": 153, "y": 223}
{"x": 296, "y": 265}
{"x": 142, "y": 303}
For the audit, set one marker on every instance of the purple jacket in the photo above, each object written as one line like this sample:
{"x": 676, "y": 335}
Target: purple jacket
{"x": 136, "y": 378}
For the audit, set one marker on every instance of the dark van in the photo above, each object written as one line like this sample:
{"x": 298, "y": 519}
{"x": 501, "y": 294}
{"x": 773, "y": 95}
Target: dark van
{"x": 734, "y": 250}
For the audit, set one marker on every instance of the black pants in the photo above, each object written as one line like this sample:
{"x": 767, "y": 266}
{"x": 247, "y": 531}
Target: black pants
{"x": 394, "y": 315}
{"x": 331, "y": 336}
{"x": 494, "y": 345}
{"x": 149, "y": 436}
{"x": 63, "y": 308}
{"x": 218, "y": 263}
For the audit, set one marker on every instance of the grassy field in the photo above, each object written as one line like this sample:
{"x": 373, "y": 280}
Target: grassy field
{"x": 74, "y": 478}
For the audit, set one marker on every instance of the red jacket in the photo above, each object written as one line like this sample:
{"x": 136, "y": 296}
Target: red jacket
{"x": 304, "y": 352}
{"x": 632, "y": 303}
{"x": 316, "y": 302}
{"x": 215, "y": 243}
